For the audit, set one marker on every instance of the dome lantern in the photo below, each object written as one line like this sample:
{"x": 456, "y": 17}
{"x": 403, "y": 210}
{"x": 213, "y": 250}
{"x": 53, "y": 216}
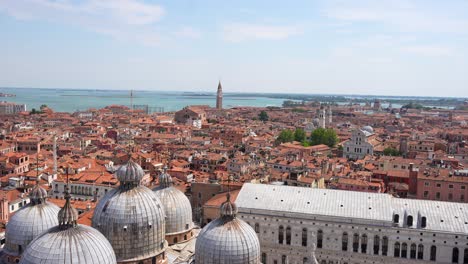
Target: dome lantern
{"x": 68, "y": 215}
{"x": 165, "y": 180}
{"x": 130, "y": 174}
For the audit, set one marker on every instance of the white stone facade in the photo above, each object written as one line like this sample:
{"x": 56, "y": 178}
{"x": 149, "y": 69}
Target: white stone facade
{"x": 286, "y": 234}
{"x": 358, "y": 146}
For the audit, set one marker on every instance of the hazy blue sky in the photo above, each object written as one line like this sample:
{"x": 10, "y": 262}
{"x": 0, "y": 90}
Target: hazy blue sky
{"x": 388, "y": 47}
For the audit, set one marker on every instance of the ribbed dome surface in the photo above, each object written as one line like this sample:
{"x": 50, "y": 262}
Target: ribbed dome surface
{"x": 130, "y": 172}
{"x": 177, "y": 209}
{"x": 38, "y": 195}
{"x": 27, "y": 223}
{"x": 77, "y": 245}
{"x": 368, "y": 129}
{"x": 227, "y": 241}
{"x": 165, "y": 180}
{"x": 228, "y": 209}
{"x": 133, "y": 222}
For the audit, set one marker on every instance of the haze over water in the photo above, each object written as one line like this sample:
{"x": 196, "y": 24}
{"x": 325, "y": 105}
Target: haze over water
{"x": 71, "y": 100}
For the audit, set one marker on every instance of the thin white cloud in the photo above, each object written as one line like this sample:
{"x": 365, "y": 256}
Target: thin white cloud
{"x": 429, "y": 50}
{"x": 242, "y": 32}
{"x": 400, "y": 15}
{"x": 129, "y": 20}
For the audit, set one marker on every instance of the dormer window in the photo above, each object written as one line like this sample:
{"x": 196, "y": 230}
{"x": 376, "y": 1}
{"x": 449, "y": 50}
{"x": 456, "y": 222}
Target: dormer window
{"x": 409, "y": 220}
{"x": 396, "y": 219}
{"x": 423, "y": 222}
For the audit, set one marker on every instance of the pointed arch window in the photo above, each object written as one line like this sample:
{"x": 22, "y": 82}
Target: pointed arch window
{"x": 455, "y": 255}
{"x": 364, "y": 243}
{"x": 319, "y": 239}
{"x": 384, "y": 246}
{"x": 396, "y": 250}
{"x": 280, "y": 234}
{"x": 420, "y": 251}
{"x": 376, "y": 245}
{"x": 355, "y": 243}
{"x": 433, "y": 253}
{"x": 404, "y": 250}
{"x": 288, "y": 235}
{"x": 344, "y": 242}
{"x": 304, "y": 237}
{"x": 413, "y": 251}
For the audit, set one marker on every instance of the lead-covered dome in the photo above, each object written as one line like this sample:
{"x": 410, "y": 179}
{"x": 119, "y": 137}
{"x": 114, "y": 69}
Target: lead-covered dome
{"x": 69, "y": 243}
{"x": 77, "y": 245}
{"x": 176, "y": 206}
{"x": 227, "y": 240}
{"x": 29, "y": 222}
{"x": 368, "y": 129}
{"x": 130, "y": 172}
{"x": 131, "y": 217}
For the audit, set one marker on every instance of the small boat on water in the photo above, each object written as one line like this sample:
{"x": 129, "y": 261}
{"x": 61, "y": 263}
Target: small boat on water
{"x": 7, "y": 95}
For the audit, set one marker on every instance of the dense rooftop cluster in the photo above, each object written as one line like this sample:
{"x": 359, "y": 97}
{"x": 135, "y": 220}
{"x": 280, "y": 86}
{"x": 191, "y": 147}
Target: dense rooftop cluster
{"x": 114, "y": 151}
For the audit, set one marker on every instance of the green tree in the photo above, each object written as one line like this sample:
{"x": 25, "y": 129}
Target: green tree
{"x": 391, "y": 152}
{"x": 43, "y": 106}
{"x": 285, "y": 136}
{"x": 34, "y": 111}
{"x": 324, "y": 136}
{"x": 300, "y": 135}
{"x": 263, "y": 116}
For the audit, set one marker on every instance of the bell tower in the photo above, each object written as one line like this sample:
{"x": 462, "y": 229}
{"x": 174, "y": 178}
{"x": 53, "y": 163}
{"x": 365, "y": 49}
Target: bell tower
{"x": 219, "y": 97}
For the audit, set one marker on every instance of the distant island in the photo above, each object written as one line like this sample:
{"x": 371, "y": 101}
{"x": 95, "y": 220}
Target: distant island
{"x": 7, "y": 95}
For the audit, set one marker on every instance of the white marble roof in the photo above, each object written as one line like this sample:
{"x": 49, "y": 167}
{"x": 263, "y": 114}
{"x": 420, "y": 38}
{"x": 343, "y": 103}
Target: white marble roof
{"x": 366, "y": 207}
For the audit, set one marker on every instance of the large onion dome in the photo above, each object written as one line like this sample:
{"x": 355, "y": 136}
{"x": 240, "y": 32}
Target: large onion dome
{"x": 29, "y": 222}
{"x": 132, "y": 218}
{"x": 176, "y": 206}
{"x": 227, "y": 240}
{"x": 69, "y": 243}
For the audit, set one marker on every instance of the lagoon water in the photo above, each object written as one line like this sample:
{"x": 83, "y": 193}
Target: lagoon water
{"x": 71, "y": 100}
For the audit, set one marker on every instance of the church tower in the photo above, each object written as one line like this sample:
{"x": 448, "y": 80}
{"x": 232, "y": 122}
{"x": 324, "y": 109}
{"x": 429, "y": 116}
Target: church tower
{"x": 219, "y": 97}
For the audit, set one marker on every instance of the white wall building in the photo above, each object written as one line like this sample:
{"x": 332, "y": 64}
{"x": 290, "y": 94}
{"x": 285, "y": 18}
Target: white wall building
{"x": 359, "y": 146}
{"x": 353, "y": 227}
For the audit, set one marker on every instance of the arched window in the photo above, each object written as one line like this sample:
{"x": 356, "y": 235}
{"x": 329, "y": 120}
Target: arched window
{"x": 355, "y": 243}
{"x": 455, "y": 255}
{"x": 175, "y": 240}
{"x": 404, "y": 250}
{"x": 423, "y": 222}
{"x": 384, "y": 246}
{"x": 281, "y": 234}
{"x": 288, "y": 235}
{"x": 396, "y": 218}
{"x": 257, "y": 228}
{"x": 344, "y": 242}
{"x": 364, "y": 243}
{"x": 396, "y": 250}
{"x": 413, "y": 251}
{"x": 376, "y": 245}
{"x": 283, "y": 259}
{"x": 409, "y": 220}
{"x": 465, "y": 256}
{"x": 433, "y": 253}
{"x": 304, "y": 237}
{"x": 264, "y": 258}
{"x": 305, "y": 261}
{"x": 319, "y": 239}
{"x": 420, "y": 251}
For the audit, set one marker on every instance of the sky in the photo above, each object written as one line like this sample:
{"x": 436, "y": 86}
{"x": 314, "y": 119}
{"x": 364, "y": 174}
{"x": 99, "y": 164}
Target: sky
{"x": 375, "y": 47}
